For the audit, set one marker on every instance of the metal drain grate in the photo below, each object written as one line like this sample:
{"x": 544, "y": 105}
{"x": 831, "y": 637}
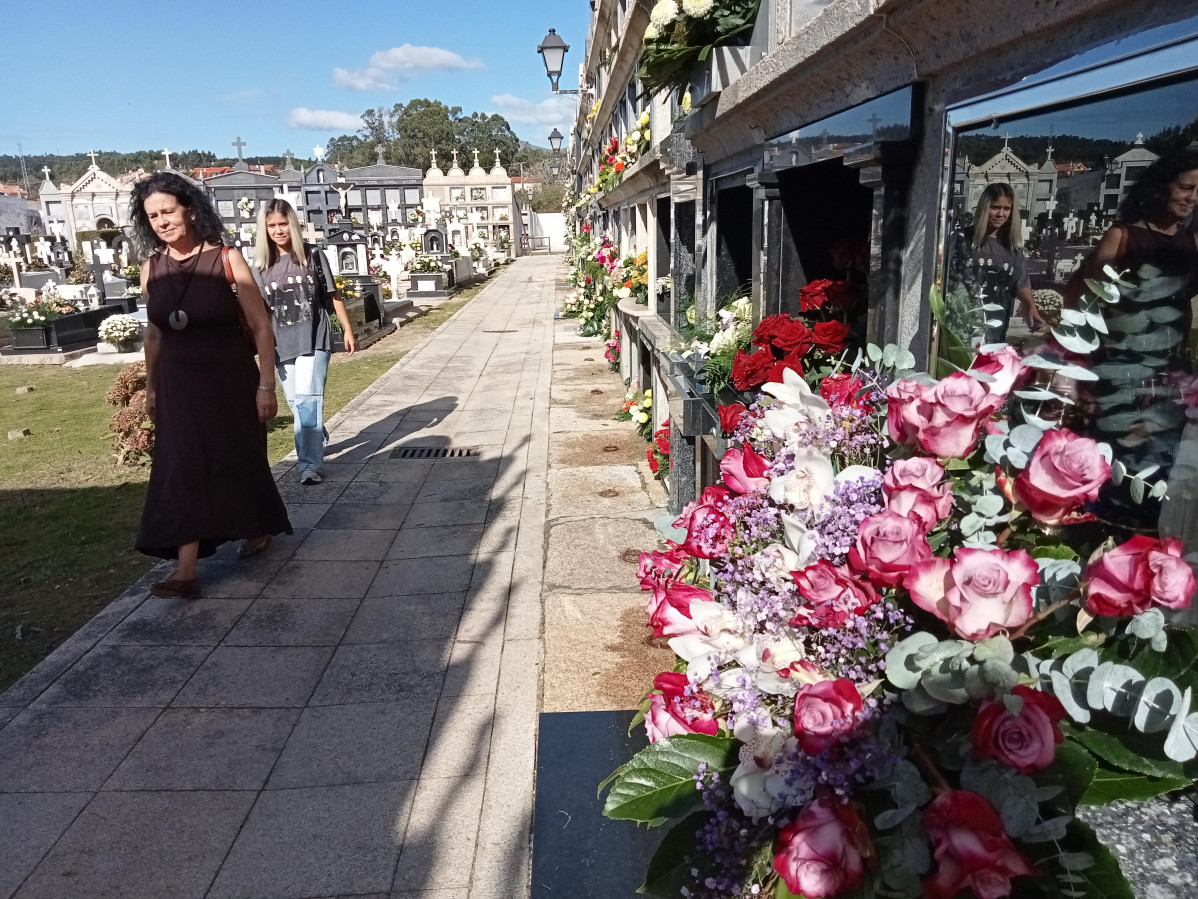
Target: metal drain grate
{"x": 511, "y": 331}
{"x": 434, "y": 452}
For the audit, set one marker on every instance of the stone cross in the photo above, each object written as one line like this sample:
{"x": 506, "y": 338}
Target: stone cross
{"x": 433, "y": 153}
{"x": 43, "y": 250}
{"x": 239, "y": 144}
{"x": 101, "y": 262}
{"x": 46, "y": 171}
{"x": 309, "y": 233}
{"x": 1071, "y": 223}
{"x": 318, "y": 152}
{"x": 476, "y": 157}
{"x": 394, "y": 269}
{"x": 374, "y": 217}
{"x": 379, "y": 149}
{"x": 455, "y": 159}
{"x": 56, "y": 227}
{"x": 497, "y": 164}
{"x": 874, "y": 121}
{"x": 289, "y": 156}
{"x": 93, "y": 154}
{"x": 167, "y": 153}
{"x": 1051, "y": 206}
{"x": 393, "y": 212}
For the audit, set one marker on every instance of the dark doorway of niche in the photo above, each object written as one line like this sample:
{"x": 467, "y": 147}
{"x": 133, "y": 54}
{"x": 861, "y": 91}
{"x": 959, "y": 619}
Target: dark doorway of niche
{"x": 827, "y": 220}
{"x": 683, "y": 271}
{"x": 663, "y": 255}
{"x": 734, "y": 243}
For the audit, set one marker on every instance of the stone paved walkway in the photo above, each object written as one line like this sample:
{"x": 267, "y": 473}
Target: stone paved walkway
{"x": 352, "y": 713}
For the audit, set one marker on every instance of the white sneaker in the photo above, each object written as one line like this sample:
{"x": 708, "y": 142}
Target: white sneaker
{"x": 310, "y": 478}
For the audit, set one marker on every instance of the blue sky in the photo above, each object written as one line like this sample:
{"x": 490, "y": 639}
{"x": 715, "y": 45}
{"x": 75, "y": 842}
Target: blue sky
{"x": 136, "y": 74}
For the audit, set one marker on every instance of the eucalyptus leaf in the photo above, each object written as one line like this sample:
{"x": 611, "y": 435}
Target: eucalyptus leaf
{"x": 1073, "y": 701}
{"x": 889, "y": 355}
{"x": 1147, "y": 624}
{"x": 1040, "y": 395}
{"x": 1108, "y": 293}
{"x": 1076, "y": 342}
{"x": 1035, "y": 360}
{"x": 1026, "y": 437}
{"x": 1077, "y": 373}
{"x": 901, "y": 669}
{"x": 996, "y": 445}
{"x": 893, "y": 817}
{"x": 1178, "y": 746}
{"x": 874, "y": 352}
{"x": 1136, "y": 489}
{"x": 1051, "y": 829}
{"x": 988, "y": 505}
{"x": 1159, "y": 702}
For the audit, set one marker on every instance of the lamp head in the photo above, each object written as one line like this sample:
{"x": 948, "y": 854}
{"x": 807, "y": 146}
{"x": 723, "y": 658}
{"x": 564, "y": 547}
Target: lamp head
{"x": 553, "y": 53}
{"x": 555, "y": 140}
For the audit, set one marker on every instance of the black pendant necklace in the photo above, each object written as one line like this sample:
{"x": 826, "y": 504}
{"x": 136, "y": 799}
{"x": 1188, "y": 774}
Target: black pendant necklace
{"x": 178, "y": 318}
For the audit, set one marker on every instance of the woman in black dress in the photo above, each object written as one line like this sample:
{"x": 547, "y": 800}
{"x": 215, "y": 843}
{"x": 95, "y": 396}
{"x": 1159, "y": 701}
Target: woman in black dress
{"x": 998, "y": 261}
{"x": 210, "y": 481}
{"x": 1138, "y": 405}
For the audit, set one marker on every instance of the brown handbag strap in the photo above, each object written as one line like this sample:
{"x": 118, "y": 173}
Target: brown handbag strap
{"x": 228, "y": 266}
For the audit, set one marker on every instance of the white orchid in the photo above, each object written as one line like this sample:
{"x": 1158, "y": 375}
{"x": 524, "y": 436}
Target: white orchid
{"x": 755, "y": 787}
{"x": 800, "y": 539}
{"x": 808, "y": 484}
{"x": 796, "y": 403}
{"x": 704, "y": 654}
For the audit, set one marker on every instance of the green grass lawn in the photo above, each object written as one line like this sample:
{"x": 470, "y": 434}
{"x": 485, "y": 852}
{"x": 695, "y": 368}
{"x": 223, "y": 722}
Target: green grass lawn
{"x": 69, "y": 515}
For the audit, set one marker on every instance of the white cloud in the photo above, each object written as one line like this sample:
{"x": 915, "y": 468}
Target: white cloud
{"x": 555, "y": 111}
{"x": 360, "y": 79}
{"x": 323, "y": 119}
{"x": 407, "y": 58}
{"x": 401, "y": 61}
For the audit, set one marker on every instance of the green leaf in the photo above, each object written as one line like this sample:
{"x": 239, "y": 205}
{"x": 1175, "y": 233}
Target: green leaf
{"x": 1107, "y": 786}
{"x": 658, "y": 782}
{"x": 667, "y": 872}
{"x": 1104, "y": 879}
{"x": 1115, "y": 751}
{"x": 1073, "y": 769}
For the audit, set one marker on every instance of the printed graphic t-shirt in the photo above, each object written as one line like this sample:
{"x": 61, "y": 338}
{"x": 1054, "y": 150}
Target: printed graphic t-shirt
{"x": 300, "y": 299}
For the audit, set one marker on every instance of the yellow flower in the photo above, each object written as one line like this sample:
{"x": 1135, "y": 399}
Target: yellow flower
{"x": 648, "y": 404}
{"x": 648, "y": 393}
{"x": 642, "y": 418}
{"x": 644, "y": 119}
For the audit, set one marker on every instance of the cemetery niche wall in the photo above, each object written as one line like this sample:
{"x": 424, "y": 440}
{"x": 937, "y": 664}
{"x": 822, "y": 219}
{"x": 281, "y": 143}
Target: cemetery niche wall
{"x": 1087, "y": 139}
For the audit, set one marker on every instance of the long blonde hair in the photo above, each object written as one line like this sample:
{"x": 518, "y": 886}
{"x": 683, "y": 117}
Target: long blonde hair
{"x": 266, "y": 252}
{"x": 1010, "y": 234}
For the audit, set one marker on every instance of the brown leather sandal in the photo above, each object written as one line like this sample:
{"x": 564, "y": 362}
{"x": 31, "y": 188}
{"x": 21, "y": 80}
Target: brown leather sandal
{"x": 173, "y": 588}
{"x": 252, "y": 547}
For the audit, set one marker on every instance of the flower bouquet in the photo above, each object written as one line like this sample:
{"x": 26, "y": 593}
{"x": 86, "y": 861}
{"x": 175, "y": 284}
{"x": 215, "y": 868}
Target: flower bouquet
{"x": 426, "y": 264}
{"x": 658, "y": 452}
{"x": 906, "y": 653}
{"x": 122, "y": 331}
{"x": 32, "y": 314}
{"x": 682, "y": 35}
{"x": 637, "y": 409}
{"x": 612, "y": 352}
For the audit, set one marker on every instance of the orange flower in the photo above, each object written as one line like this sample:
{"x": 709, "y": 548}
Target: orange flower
{"x": 619, "y": 166}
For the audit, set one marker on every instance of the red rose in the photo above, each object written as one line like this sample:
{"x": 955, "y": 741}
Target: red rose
{"x": 672, "y": 712}
{"x": 751, "y": 370}
{"x": 783, "y": 333}
{"x": 829, "y": 337}
{"x": 825, "y": 712}
{"x": 834, "y": 595}
{"x": 978, "y": 592}
{"x": 1026, "y": 741}
{"x": 619, "y": 166}
{"x": 730, "y": 417}
{"x": 779, "y": 368}
{"x": 653, "y": 466}
{"x": 847, "y": 254}
{"x": 1138, "y": 574}
{"x": 842, "y": 390}
{"x": 1066, "y": 470}
{"x": 888, "y": 546}
{"x": 971, "y": 847}
{"x": 811, "y": 295}
{"x": 820, "y": 853}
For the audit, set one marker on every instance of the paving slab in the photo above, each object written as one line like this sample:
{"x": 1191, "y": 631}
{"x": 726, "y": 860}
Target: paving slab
{"x": 380, "y": 672}
{"x": 596, "y": 553}
{"x": 442, "y": 832}
{"x": 199, "y": 622}
{"x": 206, "y": 749}
{"x": 395, "y": 619}
{"x": 256, "y": 677}
{"x": 414, "y": 577}
{"x": 30, "y": 824}
{"x": 147, "y": 845}
{"x": 293, "y": 621}
{"x": 335, "y": 580}
{"x": 317, "y": 841}
{"x": 125, "y": 676}
{"x": 596, "y": 490}
{"x": 329, "y": 545}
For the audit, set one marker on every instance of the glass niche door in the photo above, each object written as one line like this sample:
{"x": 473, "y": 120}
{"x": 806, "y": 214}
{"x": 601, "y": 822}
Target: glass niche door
{"x": 1080, "y": 182}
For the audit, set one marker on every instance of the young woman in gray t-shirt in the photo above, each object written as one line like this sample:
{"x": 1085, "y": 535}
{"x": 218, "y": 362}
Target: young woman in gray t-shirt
{"x": 298, "y": 285}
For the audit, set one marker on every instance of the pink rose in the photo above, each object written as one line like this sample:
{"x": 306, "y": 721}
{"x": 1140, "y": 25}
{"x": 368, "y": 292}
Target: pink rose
{"x": 979, "y": 592}
{"x": 1138, "y": 574}
{"x": 1027, "y": 741}
{"x": 917, "y": 487}
{"x": 820, "y": 853}
{"x": 825, "y": 712}
{"x": 1065, "y": 472}
{"x": 943, "y": 420}
{"x": 669, "y": 609}
{"x": 1004, "y": 366}
{"x": 834, "y": 595}
{"x": 971, "y": 847}
{"x": 744, "y": 470}
{"x": 673, "y": 712}
{"x": 888, "y": 544}
{"x": 708, "y": 530}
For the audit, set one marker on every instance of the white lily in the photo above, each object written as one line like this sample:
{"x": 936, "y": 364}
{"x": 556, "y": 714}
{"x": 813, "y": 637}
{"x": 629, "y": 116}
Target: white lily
{"x": 704, "y": 654}
{"x": 796, "y": 403}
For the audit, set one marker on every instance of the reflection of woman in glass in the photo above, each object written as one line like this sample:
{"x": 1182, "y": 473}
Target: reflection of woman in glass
{"x": 1137, "y": 405}
{"x": 998, "y": 261}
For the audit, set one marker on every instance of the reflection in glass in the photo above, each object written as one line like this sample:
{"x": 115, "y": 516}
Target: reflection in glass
{"x": 1097, "y": 187}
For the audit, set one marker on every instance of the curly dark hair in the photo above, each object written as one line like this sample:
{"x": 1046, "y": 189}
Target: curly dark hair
{"x": 207, "y": 224}
{"x": 1147, "y": 196}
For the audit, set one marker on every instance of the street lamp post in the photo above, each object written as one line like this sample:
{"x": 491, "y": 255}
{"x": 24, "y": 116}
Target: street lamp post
{"x": 553, "y": 52}
{"x": 555, "y": 144}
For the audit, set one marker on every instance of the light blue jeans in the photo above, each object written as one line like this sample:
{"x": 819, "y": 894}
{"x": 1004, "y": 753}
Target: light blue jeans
{"x": 303, "y": 384}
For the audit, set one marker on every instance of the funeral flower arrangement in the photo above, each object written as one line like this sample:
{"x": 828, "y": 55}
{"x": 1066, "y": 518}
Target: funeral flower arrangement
{"x": 122, "y": 331}
{"x": 426, "y": 264}
{"x": 904, "y": 658}
{"x": 246, "y": 206}
{"x": 658, "y": 452}
{"x": 611, "y": 351}
{"x": 680, "y": 35}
